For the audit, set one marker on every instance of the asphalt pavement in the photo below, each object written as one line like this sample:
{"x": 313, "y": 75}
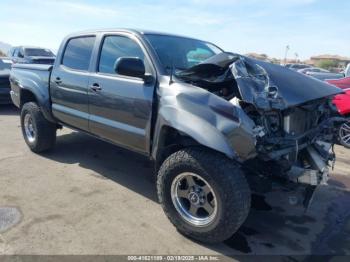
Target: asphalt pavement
{"x": 90, "y": 197}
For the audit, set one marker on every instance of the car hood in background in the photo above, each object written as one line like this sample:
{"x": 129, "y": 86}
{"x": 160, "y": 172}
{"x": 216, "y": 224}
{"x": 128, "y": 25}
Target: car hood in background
{"x": 263, "y": 84}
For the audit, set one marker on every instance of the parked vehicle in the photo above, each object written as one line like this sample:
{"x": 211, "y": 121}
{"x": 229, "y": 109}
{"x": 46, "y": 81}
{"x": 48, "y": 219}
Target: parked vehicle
{"x": 5, "y": 67}
{"x": 31, "y": 55}
{"x": 343, "y": 83}
{"x": 312, "y": 70}
{"x": 297, "y": 67}
{"x": 342, "y": 103}
{"x": 347, "y": 70}
{"x": 202, "y": 121}
{"x": 325, "y": 76}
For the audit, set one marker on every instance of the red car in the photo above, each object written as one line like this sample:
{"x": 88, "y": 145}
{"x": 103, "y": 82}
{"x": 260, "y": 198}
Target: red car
{"x": 343, "y": 83}
{"x": 342, "y": 103}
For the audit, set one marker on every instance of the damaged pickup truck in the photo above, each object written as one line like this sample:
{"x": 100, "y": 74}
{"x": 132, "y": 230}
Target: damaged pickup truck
{"x": 213, "y": 123}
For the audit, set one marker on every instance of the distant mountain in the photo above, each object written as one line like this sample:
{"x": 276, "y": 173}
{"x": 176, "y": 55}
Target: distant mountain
{"x": 4, "y": 47}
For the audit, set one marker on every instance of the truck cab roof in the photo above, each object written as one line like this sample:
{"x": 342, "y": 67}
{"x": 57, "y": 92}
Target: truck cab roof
{"x": 125, "y": 30}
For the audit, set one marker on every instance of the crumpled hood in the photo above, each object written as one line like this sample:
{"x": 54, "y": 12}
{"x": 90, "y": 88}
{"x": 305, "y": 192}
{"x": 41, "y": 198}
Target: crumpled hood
{"x": 263, "y": 84}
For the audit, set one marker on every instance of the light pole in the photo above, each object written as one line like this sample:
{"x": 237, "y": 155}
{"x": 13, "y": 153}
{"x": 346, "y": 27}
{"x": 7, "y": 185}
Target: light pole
{"x": 286, "y": 53}
{"x": 296, "y": 57}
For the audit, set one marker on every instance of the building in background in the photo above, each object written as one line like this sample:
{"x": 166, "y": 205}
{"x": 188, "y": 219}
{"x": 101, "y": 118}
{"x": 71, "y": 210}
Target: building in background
{"x": 342, "y": 61}
{"x": 331, "y": 62}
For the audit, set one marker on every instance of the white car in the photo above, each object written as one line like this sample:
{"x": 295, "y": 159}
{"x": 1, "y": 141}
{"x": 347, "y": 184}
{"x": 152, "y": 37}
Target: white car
{"x": 312, "y": 70}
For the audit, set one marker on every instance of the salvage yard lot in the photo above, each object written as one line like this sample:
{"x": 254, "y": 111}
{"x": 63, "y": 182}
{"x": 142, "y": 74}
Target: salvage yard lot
{"x": 90, "y": 197}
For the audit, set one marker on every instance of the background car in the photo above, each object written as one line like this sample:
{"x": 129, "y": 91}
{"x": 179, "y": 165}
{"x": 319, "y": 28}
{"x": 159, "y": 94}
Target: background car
{"x": 343, "y": 83}
{"x": 5, "y": 68}
{"x": 297, "y": 67}
{"x": 325, "y": 76}
{"x": 31, "y": 55}
{"x": 313, "y": 70}
{"x": 342, "y": 103}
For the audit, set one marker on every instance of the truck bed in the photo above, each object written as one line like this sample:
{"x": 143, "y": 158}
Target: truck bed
{"x": 31, "y": 77}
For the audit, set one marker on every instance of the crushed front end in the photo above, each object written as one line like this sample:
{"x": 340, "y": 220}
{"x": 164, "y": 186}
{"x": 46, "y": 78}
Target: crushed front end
{"x": 294, "y": 117}
{"x": 299, "y": 140}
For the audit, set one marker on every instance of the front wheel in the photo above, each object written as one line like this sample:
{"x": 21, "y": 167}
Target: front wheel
{"x": 204, "y": 194}
{"x": 344, "y": 134}
{"x": 39, "y": 133}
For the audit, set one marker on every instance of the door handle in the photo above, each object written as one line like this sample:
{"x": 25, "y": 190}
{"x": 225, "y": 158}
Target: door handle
{"x": 58, "y": 80}
{"x": 96, "y": 87}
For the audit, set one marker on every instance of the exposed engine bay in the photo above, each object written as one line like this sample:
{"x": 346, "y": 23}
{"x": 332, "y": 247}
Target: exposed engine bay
{"x": 294, "y": 118}
{"x": 299, "y": 140}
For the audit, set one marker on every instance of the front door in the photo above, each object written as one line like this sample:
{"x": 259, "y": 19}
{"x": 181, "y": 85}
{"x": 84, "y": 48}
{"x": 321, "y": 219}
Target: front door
{"x": 120, "y": 107}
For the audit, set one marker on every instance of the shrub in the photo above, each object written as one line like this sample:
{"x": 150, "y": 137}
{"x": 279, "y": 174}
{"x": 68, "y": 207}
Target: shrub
{"x": 327, "y": 64}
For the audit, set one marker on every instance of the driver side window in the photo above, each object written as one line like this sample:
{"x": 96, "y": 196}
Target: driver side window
{"x": 115, "y": 47}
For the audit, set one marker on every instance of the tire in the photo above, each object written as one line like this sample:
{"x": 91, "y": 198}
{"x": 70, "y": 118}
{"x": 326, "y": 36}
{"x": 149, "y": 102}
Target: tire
{"x": 224, "y": 178}
{"x": 39, "y": 133}
{"x": 344, "y": 134}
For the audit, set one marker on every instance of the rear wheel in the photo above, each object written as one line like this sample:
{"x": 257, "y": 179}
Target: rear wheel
{"x": 39, "y": 133}
{"x": 344, "y": 134}
{"x": 204, "y": 194}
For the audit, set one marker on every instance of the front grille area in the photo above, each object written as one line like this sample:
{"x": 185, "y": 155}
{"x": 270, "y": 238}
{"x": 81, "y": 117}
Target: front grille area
{"x": 5, "y": 88}
{"x": 300, "y": 121}
{"x": 4, "y": 82}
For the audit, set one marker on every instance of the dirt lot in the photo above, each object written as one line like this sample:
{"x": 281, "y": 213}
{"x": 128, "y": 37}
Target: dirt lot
{"x": 89, "y": 197}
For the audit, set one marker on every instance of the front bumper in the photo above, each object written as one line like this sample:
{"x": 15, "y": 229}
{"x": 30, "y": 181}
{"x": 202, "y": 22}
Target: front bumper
{"x": 5, "y": 97}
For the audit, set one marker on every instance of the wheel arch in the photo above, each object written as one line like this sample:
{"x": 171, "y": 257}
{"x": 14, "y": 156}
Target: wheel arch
{"x": 169, "y": 141}
{"x": 171, "y": 138}
{"x": 28, "y": 94}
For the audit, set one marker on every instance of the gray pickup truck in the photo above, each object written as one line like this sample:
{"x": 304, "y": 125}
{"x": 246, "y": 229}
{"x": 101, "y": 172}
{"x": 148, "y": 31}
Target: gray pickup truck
{"x": 213, "y": 123}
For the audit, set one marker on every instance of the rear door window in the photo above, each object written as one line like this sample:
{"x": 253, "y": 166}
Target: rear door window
{"x": 78, "y": 53}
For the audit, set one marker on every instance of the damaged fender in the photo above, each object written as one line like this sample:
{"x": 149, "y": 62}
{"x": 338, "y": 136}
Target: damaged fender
{"x": 208, "y": 119}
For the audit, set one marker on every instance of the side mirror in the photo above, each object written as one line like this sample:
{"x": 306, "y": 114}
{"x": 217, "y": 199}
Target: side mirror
{"x": 20, "y": 55}
{"x": 130, "y": 66}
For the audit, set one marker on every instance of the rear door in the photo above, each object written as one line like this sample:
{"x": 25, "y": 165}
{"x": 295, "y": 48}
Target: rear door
{"x": 120, "y": 106}
{"x": 69, "y": 82}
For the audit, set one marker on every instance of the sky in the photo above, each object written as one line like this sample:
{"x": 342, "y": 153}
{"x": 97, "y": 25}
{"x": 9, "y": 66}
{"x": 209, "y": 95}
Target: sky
{"x": 309, "y": 27}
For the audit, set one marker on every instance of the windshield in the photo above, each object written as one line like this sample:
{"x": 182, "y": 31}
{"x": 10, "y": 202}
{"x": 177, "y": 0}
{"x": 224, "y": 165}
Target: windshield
{"x": 180, "y": 52}
{"x": 38, "y": 52}
{"x": 5, "y": 64}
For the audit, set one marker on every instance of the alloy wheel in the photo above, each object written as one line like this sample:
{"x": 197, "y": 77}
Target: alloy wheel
{"x": 194, "y": 199}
